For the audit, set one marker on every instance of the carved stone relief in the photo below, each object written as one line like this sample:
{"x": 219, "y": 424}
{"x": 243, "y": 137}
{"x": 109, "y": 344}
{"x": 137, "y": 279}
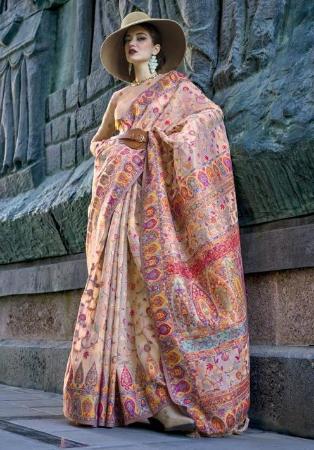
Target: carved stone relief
{"x": 251, "y": 57}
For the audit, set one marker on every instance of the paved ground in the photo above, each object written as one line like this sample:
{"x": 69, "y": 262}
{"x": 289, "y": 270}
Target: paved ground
{"x": 32, "y": 419}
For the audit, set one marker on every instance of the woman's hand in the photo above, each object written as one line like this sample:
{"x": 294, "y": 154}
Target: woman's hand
{"x": 134, "y": 138}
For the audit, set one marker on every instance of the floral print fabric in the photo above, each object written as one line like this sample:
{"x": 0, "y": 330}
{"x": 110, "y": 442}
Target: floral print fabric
{"x": 163, "y": 314}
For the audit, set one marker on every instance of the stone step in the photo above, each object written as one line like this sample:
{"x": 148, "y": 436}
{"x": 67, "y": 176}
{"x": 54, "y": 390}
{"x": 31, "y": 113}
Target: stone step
{"x": 282, "y": 388}
{"x": 34, "y": 420}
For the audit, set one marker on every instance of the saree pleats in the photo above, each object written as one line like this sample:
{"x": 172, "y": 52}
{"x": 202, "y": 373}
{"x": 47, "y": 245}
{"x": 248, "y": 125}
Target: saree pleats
{"x": 163, "y": 316}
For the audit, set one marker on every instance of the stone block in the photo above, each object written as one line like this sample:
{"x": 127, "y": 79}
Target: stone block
{"x": 28, "y": 218}
{"x": 261, "y": 308}
{"x": 71, "y": 205}
{"x": 60, "y": 129}
{"x": 53, "y": 213}
{"x": 100, "y": 105}
{"x": 282, "y": 389}
{"x": 39, "y": 316}
{"x": 84, "y": 118}
{"x": 97, "y": 82}
{"x": 34, "y": 364}
{"x": 53, "y": 158}
{"x": 67, "y": 273}
{"x": 281, "y": 307}
{"x": 68, "y": 154}
{"x": 72, "y": 96}
{"x": 80, "y": 150}
{"x": 82, "y": 91}
{"x": 48, "y": 134}
{"x": 35, "y": 236}
{"x": 295, "y": 307}
{"x": 56, "y": 103}
{"x": 21, "y": 181}
{"x": 278, "y": 245}
{"x": 87, "y": 140}
{"x": 73, "y": 130}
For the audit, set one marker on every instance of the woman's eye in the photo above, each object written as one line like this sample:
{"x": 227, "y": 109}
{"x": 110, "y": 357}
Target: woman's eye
{"x": 140, "y": 38}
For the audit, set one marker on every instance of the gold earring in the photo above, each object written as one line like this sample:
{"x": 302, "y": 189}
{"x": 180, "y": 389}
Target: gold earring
{"x": 130, "y": 68}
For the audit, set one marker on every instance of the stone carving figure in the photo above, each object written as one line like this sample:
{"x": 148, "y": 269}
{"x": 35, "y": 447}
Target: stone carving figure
{"x": 24, "y": 78}
{"x": 252, "y": 58}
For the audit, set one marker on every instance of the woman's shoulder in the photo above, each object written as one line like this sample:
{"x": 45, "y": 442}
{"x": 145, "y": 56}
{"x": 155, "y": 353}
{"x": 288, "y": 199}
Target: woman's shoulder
{"x": 117, "y": 93}
{"x": 124, "y": 92}
{"x": 120, "y": 91}
{"x": 118, "y": 97}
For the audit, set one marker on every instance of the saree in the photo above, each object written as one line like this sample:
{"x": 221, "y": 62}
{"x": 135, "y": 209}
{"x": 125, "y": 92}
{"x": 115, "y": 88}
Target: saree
{"x": 163, "y": 316}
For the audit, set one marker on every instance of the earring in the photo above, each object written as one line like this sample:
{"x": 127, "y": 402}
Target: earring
{"x": 152, "y": 64}
{"x": 130, "y": 68}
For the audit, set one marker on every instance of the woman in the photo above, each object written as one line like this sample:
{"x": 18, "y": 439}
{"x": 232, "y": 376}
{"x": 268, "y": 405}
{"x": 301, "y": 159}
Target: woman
{"x": 161, "y": 330}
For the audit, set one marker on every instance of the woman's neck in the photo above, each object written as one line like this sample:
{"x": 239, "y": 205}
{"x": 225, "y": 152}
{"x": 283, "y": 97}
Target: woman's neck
{"x": 141, "y": 72}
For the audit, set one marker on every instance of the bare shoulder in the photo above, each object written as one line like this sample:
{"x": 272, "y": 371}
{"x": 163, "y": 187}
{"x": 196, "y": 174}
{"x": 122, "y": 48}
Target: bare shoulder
{"x": 119, "y": 92}
{"x": 123, "y": 89}
{"x": 127, "y": 90}
{"x": 116, "y": 96}
{"x": 127, "y": 94}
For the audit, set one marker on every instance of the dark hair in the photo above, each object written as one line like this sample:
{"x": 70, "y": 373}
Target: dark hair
{"x": 156, "y": 38}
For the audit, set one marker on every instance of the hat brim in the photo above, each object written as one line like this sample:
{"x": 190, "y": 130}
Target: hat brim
{"x": 112, "y": 52}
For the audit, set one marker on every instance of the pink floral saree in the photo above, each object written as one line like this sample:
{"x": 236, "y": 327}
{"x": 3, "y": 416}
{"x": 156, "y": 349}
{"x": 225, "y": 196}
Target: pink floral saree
{"x": 163, "y": 317}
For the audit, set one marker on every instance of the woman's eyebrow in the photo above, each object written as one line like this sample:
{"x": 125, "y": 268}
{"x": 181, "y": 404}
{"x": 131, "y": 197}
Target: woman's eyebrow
{"x": 139, "y": 32}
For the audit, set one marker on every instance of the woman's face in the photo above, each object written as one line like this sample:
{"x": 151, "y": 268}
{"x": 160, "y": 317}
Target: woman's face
{"x": 138, "y": 45}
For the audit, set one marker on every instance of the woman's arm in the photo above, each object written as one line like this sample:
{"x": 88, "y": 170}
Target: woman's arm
{"x": 107, "y": 126}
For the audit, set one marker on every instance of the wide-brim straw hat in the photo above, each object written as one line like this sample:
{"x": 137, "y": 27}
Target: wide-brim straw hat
{"x": 112, "y": 52}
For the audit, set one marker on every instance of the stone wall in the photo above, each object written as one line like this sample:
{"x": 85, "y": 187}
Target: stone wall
{"x": 253, "y": 60}
{"x": 71, "y": 115}
{"x": 38, "y": 309}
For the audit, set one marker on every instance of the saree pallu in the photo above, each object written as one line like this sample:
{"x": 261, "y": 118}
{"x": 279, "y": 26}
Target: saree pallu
{"x": 163, "y": 314}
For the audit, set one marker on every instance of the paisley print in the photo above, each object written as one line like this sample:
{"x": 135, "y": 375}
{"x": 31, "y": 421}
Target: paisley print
{"x": 163, "y": 318}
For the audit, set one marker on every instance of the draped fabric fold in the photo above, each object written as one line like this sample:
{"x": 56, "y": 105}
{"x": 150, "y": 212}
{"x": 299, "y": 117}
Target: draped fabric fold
{"x": 163, "y": 317}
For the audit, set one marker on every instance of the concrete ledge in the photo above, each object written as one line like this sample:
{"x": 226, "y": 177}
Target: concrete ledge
{"x": 278, "y": 249}
{"x": 34, "y": 364}
{"x": 283, "y": 351}
{"x": 263, "y": 251}
{"x": 47, "y": 275}
{"x": 282, "y": 388}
